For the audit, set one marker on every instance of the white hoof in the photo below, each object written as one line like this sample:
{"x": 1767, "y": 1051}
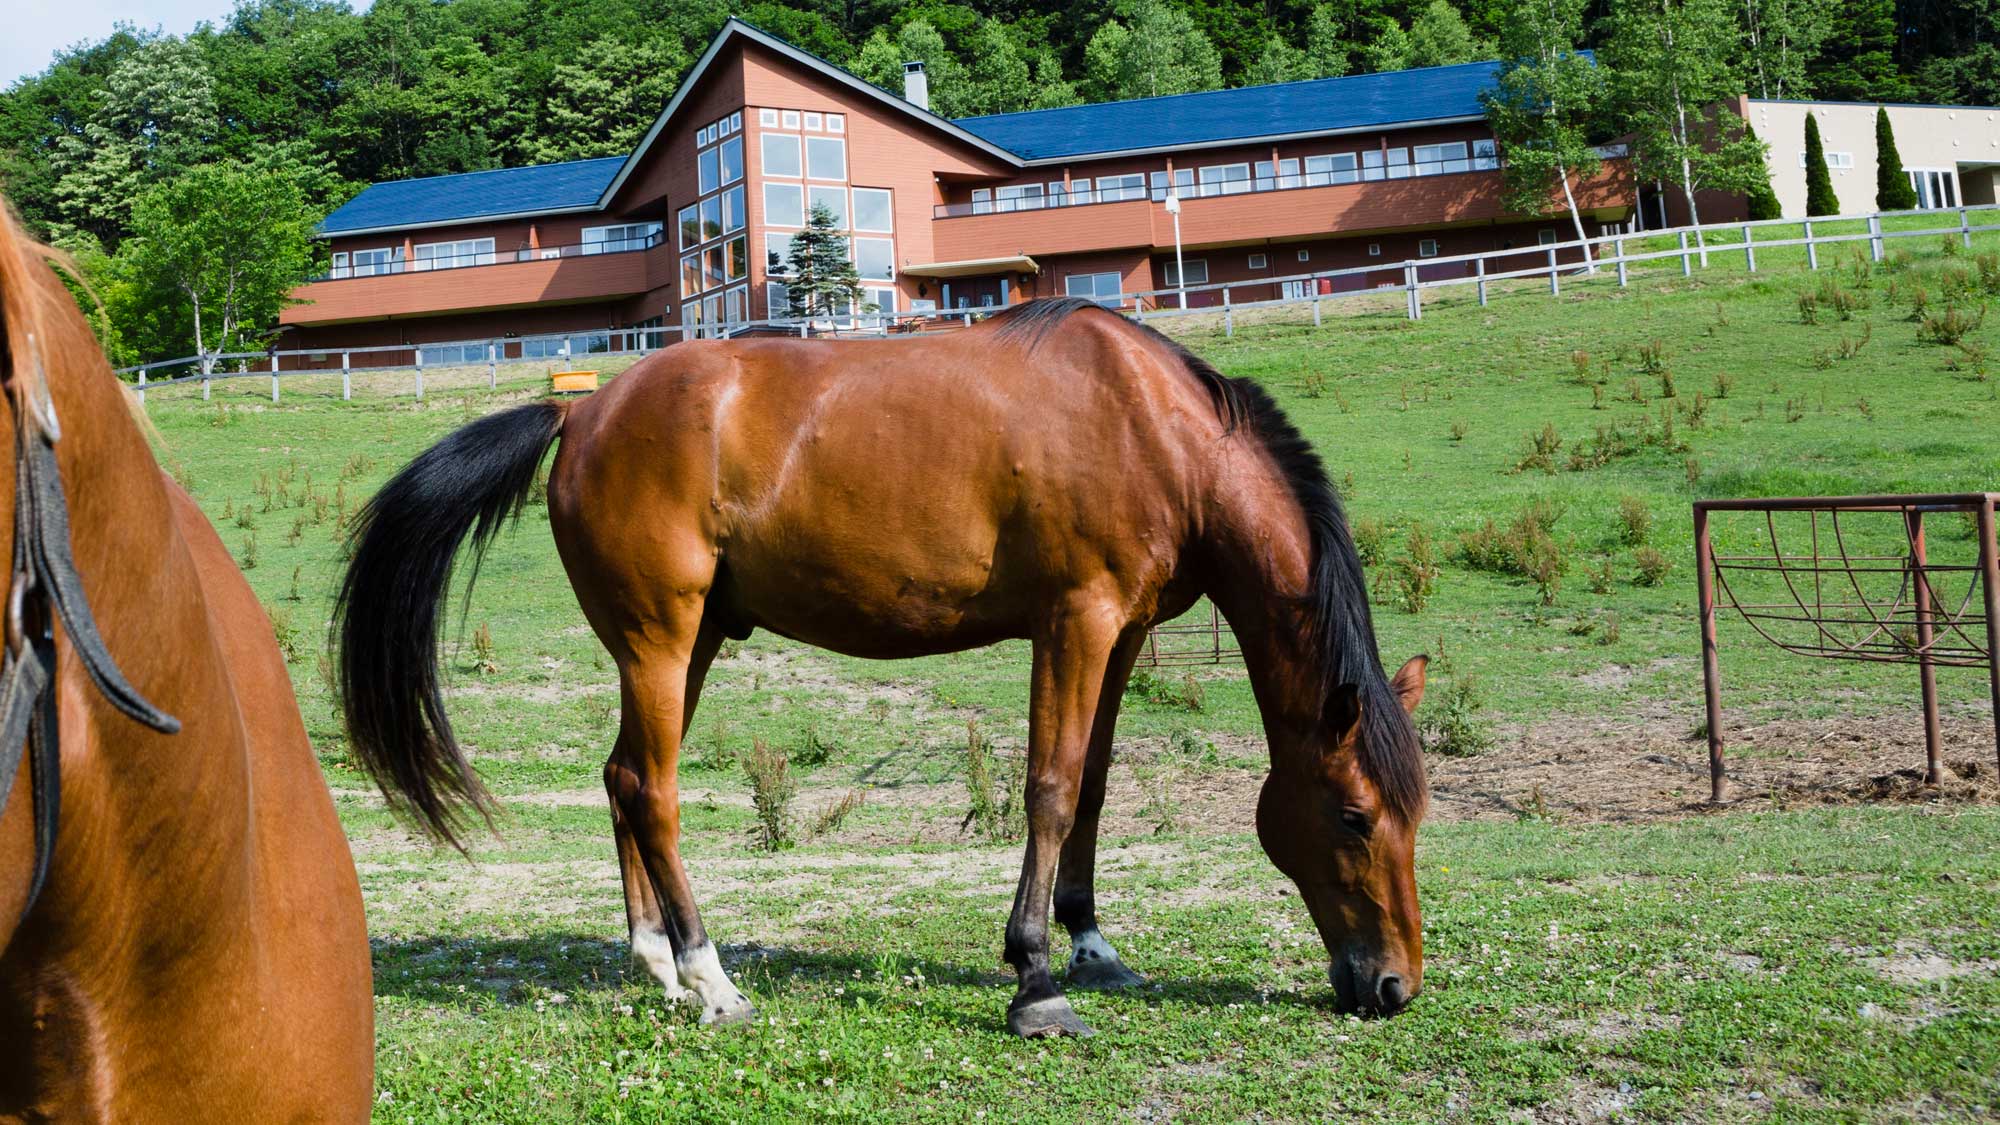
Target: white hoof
{"x": 653, "y": 951}
{"x": 701, "y": 973}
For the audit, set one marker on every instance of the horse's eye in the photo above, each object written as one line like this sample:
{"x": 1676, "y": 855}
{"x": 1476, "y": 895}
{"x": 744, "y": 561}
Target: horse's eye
{"x": 1356, "y": 822}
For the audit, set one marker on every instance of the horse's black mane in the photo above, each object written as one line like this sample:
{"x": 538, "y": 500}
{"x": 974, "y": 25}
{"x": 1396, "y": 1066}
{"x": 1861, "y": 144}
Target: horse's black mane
{"x": 1340, "y": 629}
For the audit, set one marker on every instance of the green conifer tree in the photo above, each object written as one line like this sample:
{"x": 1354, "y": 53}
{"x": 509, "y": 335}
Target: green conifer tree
{"x": 1893, "y": 190}
{"x": 1820, "y": 198}
{"x": 822, "y": 279}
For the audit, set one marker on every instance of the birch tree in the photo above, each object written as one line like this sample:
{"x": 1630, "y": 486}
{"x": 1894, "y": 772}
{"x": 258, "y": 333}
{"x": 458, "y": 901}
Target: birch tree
{"x": 1675, "y": 68}
{"x": 215, "y": 254}
{"x": 1543, "y": 108}
{"x": 1780, "y": 37}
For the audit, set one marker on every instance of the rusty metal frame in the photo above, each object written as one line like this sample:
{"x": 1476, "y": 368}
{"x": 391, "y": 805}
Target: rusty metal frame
{"x": 1220, "y": 649}
{"x": 1913, "y": 626}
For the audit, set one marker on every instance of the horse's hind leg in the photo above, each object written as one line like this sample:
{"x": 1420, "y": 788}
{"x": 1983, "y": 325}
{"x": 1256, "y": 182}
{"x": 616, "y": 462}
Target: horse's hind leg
{"x": 1093, "y": 963}
{"x": 1071, "y": 658}
{"x": 643, "y": 779}
{"x": 652, "y": 942}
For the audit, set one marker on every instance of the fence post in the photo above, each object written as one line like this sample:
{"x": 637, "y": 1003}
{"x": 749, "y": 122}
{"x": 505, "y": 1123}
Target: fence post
{"x": 420, "y": 374}
{"x": 1913, "y": 525}
{"x": 492, "y": 365}
{"x": 1555, "y": 281}
{"x": 1875, "y": 237}
{"x": 1618, "y": 244}
{"x": 1228, "y": 314}
{"x": 142, "y": 386}
{"x": 1964, "y": 227}
{"x": 1480, "y": 272}
{"x": 1687, "y": 267}
{"x": 1413, "y": 308}
{"x": 1749, "y": 249}
{"x": 1315, "y": 309}
{"x": 346, "y": 380}
{"x": 274, "y": 377}
{"x": 1812, "y": 248}
{"x": 1711, "y": 665}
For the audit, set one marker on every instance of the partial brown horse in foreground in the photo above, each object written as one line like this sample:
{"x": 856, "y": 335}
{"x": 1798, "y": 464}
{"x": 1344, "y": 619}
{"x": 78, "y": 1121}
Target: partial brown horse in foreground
{"x": 197, "y": 952}
{"x": 1057, "y": 474}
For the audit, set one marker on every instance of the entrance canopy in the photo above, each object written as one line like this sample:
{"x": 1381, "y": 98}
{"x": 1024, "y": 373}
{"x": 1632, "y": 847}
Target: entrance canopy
{"x": 975, "y": 267}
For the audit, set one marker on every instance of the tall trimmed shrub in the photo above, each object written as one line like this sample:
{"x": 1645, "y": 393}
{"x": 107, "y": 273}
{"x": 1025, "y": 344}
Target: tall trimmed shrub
{"x": 1763, "y": 202}
{"x": 1820, "y": 199}
{"x": 1893, "y": 190}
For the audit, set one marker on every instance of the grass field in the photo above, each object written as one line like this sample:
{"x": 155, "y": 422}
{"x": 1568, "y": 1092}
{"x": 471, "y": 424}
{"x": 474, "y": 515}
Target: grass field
{"x": 1598, "y": 946}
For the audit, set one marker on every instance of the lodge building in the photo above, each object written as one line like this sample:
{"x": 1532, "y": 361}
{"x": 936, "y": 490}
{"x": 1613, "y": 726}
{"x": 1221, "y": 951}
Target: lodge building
{"x": 692, "y": 227}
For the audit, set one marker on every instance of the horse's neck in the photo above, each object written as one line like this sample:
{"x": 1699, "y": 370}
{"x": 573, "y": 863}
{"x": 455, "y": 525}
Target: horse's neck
{"x": 1258, "y": 568}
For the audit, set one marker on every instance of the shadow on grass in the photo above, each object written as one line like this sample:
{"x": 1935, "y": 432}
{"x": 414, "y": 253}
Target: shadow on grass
{"x": 475, "y": 972}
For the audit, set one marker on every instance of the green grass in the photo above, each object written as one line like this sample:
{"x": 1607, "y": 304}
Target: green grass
{"x": 1730, "y": 966}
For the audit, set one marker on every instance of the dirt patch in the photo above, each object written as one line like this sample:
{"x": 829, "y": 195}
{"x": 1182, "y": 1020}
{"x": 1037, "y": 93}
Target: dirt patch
{"x": 1912, "y": 964}
{"x": 1604, "y": 771}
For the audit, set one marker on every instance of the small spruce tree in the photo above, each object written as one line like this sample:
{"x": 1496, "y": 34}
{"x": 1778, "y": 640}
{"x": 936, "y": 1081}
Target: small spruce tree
{"x": 1820, "y": 198}
{"x": 1762, "y": 200}
{"x": 822, "y": 279}
{"x": 1893, "y": 191}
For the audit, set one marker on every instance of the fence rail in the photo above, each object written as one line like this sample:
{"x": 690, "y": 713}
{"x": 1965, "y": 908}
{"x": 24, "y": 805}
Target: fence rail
{"x": 1615, "y": 252}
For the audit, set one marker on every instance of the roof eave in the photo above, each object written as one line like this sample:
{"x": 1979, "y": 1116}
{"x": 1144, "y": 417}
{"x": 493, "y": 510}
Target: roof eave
{"x": 1265, "y": 138}
{"x": 458, "y": 222}
{"x": 736, "y": 27}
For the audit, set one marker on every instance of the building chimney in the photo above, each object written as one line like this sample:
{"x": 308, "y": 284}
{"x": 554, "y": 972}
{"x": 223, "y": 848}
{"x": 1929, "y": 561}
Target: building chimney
{"x": 916, "y": 85}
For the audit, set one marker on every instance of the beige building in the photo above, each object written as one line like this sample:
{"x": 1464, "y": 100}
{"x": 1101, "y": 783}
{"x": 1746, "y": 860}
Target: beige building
{"x": 1951, "y": 153}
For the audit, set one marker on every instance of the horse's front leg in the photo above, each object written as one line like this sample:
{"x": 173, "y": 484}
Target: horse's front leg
{"x": 1072, "y": 654}
{"x": 1093, "y": 963}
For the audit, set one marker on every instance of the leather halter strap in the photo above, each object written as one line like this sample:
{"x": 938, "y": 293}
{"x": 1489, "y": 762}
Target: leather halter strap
{"x": 46, "y": 586}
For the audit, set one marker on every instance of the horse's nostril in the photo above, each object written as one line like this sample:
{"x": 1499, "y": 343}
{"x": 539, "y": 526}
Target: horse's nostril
{"x": 1392, "y": 993}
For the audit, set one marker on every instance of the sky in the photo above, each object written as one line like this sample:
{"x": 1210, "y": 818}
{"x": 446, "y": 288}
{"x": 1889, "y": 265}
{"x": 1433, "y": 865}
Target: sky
{"x": 40, "y": 28}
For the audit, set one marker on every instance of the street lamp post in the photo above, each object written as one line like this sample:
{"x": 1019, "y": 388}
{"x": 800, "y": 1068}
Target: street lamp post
{"x": 1180, "y": 271}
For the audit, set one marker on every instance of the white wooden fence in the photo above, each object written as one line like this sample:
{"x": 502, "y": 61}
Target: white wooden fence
{"x": 1617, "y": 252}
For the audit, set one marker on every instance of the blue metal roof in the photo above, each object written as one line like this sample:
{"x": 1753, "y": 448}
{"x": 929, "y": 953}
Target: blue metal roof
{"x": 1320, "y": 105}
{"x": 575, "y": 185}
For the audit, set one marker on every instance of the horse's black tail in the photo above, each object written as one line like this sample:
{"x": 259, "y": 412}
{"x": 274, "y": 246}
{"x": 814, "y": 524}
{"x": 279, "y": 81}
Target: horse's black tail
{"x": 387, "y": 620}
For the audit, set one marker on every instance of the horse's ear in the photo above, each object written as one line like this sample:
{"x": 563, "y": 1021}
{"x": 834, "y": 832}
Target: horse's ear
{"x": 1343, "y": 708}
{"x": 1409, "y": 682}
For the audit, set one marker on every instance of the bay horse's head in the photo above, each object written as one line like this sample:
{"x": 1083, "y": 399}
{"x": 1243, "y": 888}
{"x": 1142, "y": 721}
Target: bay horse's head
{"x": 1339, "y": 815}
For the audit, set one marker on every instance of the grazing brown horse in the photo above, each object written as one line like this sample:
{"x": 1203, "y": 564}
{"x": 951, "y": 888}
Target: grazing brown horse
{"x": 181, "y": 937}
{"x": 1057, "y": 473}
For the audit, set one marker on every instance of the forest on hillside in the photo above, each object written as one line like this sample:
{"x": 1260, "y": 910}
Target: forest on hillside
{"x": 287, "y": 107}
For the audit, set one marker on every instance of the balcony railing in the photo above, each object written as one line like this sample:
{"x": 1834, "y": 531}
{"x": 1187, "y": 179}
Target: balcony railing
{"x": 400, "y": 264}
{"x": 1158, "y": 193}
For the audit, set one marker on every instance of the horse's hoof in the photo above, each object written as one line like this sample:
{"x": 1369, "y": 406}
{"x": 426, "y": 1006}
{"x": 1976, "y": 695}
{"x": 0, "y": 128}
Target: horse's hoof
{"x": 1048, "y": 1016}
{"x": 726, "y": 1015}
{"x": 1101, "y": 974}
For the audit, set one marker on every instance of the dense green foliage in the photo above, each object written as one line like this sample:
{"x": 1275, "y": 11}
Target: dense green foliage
{"x": 820, "y": 276}
{"x": 1893, "y": 190}
{"x": 1820, "y": 197}
{"x": 1761, "y": 200}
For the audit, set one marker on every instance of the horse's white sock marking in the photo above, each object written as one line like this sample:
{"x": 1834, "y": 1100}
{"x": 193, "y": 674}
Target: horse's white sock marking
{"x": 652, "y": 949}
{"x": 1090, "y": 946}
{"x": 701, "y": 971}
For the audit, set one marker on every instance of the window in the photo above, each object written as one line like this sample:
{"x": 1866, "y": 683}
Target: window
{"x": 1433, "y": 160}
{"x": 1936, "y": 187}
{"x": 708, "y": 171}
{"x": 1485, "y": 157}
{"x": 884, "y": 301}
{"x": 610, "y": 240}
{"x": 1305, "y": 256}
{"x": 784, "y": 205}
{"x": 690, "y": 227}
{"x": 781, "y": 154}
{"x": 451, "y": 255}
{"x": 777, "y": 248}
{"x": 1225, "y": 179}
{"x": 1181, "y": 180}
{"x": 768, "y": 118}
{"x": 712, "y": 275}
{"x": 1427, "y": 248}
{"x": 875, "y": 258}
{"x": 1019, "y": 197}
{"x": 834, "y": 199}
{"x": 873, "y": 209}
{"x": 1334, "y": 168}
{"x": 711, "y": 218}
{"x": 1113, "y": 189}
{"x": 691, "y": 274}
{"x": 368, "y": 263}
{"x": 1374, "y": 249}
{"x": 1282, "y": 174}
{"x": 777, "y": 300}
{"x": 736, "y": 305}
{"x": 812, "y": 122}
{"x": 982, "y": 201}
{"x": 736, "y": 122}
{"x": 1197, "y": 272}
{"x": 1100, "y": 287}
{"x": 1546, "y": 237}
{"x": 722, "y": 126}
{"x": 1259, "y": 261}
{"x": 738, "y": 258}
{"x": 1371, "y": 164}
{"x": 732, "y": 159}
{"x": 452, "y": 354}
{"x": 1079, "y": 191}
{"x": 836, "y": 123}
{"x": 826, "y": 158}
{"x": 1833, "y": 159}
{"x": 691, "y": 319}
{"x": 791, "y": 118}
{"x": 732, "y": 210}
{"x": 1399, "y": 163}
